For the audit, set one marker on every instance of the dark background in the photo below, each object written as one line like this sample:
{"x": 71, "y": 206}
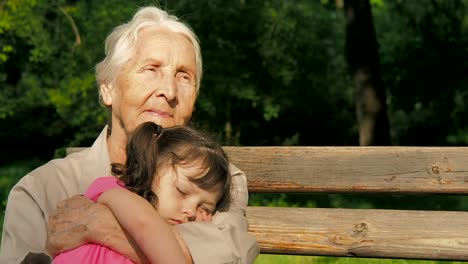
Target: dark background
{"x": 275, "y": 72}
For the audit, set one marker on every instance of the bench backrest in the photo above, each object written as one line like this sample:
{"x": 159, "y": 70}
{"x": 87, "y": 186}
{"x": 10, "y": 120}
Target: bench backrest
{"x": 418, "y": 234}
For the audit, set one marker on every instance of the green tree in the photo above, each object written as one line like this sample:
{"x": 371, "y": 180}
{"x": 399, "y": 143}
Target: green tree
{"x": 424, "y": 64}
{"x": 49, "y": 49}
{"x": 274, "y": 70}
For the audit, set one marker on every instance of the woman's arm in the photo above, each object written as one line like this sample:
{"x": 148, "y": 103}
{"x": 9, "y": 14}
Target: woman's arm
{"x": 154, "y": 237}
{"x": 78, "y": 220}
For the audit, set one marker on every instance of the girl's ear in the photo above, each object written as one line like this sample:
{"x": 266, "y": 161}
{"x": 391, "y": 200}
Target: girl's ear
{"x": 106, "y": 94}
{"x": 155, "y": 184}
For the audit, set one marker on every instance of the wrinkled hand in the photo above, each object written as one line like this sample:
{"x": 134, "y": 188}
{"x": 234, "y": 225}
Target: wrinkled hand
{"x": 78, "y": 221}
{"x": 66, "y": 226}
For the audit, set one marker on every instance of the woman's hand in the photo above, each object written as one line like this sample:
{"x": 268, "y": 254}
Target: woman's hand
{"x": 77, "y": 221}
{"x": 203, "y": 216}
{"x": 66, "y": 226}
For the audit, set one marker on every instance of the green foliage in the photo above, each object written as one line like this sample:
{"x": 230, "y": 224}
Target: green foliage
{"x": 47, "y": 55}
{"x": 275, "y": 72}
{"x": 360, "y": 201}
{"x": 262, "y": 60}
{"x": 423, "y": 55}
{"x": 283, "y": 259}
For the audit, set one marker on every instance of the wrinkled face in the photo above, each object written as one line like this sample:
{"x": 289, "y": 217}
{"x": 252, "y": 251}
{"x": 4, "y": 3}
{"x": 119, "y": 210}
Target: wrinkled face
{"x": 179, "y": 199}
{"x": 158, "y": 84}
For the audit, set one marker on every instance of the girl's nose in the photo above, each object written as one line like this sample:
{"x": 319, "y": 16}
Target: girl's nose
{"x": 190, "y": 212}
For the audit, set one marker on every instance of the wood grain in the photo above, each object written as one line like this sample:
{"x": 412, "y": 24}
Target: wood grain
{"x": 354, "y": 169}
{"x": 361, "y": 232}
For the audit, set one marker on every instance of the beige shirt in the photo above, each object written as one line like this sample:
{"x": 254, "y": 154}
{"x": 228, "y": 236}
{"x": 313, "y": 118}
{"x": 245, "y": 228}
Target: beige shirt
{"x": 35, "y": 196}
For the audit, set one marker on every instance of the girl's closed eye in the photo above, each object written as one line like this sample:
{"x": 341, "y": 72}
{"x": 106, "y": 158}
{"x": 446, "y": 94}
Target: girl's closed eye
{"x": 181, "y": 191}
{"x": 207, "y": 210}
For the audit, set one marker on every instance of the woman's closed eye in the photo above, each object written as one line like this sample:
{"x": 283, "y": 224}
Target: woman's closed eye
{"x": 152, "y": 68}
{"x": 184, "y": 77}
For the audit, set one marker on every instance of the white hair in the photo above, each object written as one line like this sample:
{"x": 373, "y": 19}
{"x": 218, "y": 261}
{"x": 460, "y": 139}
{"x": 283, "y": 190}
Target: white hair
{"x": 121, "y": 43}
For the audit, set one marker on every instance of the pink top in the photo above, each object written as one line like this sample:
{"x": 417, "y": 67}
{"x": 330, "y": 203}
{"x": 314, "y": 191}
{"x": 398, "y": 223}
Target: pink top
{"x": 94, "y": 253}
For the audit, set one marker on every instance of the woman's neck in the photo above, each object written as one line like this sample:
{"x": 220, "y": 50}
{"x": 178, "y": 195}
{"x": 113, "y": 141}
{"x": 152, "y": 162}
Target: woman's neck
{"x": 116, "y": 145}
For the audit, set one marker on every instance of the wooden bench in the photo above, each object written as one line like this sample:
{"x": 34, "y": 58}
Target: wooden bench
{"x": 381, "y": 233}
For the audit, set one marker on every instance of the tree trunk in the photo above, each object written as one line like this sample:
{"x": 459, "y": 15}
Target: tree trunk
{"x": 363, "y": 62}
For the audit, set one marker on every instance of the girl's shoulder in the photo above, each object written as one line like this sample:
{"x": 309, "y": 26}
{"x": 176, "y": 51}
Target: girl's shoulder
{"x": 101, "y": 185}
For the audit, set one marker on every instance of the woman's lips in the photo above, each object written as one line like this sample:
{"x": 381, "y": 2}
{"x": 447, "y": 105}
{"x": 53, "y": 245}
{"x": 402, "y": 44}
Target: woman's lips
{"x": 159, "y": 113}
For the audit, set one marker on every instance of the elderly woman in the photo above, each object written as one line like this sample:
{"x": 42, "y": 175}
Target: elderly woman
{"x": 151, "y": 72}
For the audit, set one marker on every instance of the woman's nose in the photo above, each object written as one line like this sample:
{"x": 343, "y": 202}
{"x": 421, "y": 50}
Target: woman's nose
{"x": 167, "y": 87}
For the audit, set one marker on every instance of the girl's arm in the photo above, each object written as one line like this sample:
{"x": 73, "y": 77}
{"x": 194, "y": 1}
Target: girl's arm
{"x": 141, "y": 220}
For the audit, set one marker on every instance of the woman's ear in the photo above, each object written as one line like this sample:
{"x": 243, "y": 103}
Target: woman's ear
{"x": 106, "y": 94}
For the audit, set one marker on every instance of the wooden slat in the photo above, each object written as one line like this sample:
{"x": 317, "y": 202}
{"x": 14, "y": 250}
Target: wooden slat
{"x": 361, "y": 232}
{"x": 354, "y": 169}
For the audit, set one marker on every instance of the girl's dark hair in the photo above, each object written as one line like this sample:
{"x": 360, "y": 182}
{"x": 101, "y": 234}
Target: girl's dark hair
{"x": 150, "y": 146}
